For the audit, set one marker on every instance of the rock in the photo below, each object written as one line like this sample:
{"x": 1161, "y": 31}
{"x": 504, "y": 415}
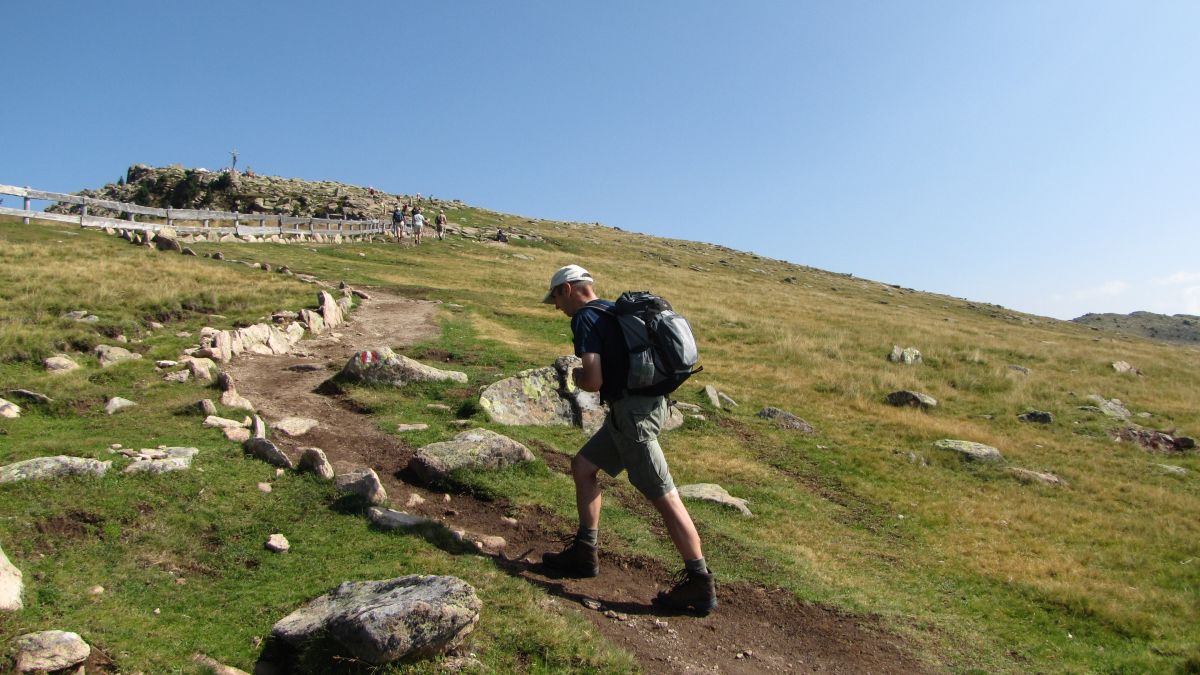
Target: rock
{"x": 110, "y": 355}
{"x": 330, "y": 311}
{"x": 179, "y": 376}
{"x": 41, "y": 468}
{"x": 258, "y": 428}
{"x": 1022, "y": 370}
{"x": 116, "y": 404}
{"x": 1111, "y": 408}
{"x": 360, "y": 294}
{"x": 786, "y": 420}
{"x": 492, "y": 543}
{"x": 187, "y": 251}
{"x": 688, "y": 407}
{"x": 409, "y": 617}
{"x": 217, "y": 668}
{"x": 1036, "y": 417}
{"x": 267, "y": 452}
{"x": 314, "y": 322}
{"x": 233, "y": 399}
{"x": 1029, "y": 476}
{"x": 277, "y": 543}
{"x": 912, "y": 399}
{"x": 50, "y": 650}
{"x": 364, "y": 483}
{"x": 222, "y": 423}
{"x": 389, "y": 519}
{"x": 314, "y": 460}
{"x": 225, "y": 382}
{"x": 1123, "y": 367}
{"x": 383, "y": 366}
{"x": 478, "y": 449}
{"x": 1169, "y": 468}
{"x": 175, "y": 459}
{"x": 31, "y": 396}
{"x": 1153, "y": 441}
{"x": 532, "y": 397}
{"x": 1185, "y": 443}
{"x": 222, "y": 346}
{"x": 60, "y": 364}
{"x": 908, "y": 356}
{"x": 294, "y": 426}
{"x": 264, "y": 488}
{"x": 971, "y": 450}
{"x": 725, "y": 400}
{"x": 202, "y": 369}
{"x": 440, "y": 407}
{"x": 592, "y": 604}
{"x": 207, "y": 407}
{"x": 9, "y": 409}
{"x": 166, "y": 240}
{"x": 714, "y": 493}
{"x": 236, "y": 434}
{"x": 11, "y": 585}
{"x": 401, "y": 428}
{"x": 713, "y": 397}
{"x": 81, "y": 315}
{"x": 414, "y": 499}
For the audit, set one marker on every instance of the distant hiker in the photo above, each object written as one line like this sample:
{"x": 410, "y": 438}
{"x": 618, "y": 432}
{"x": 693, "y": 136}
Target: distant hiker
{"x": 628, "y": 441}
{"x": 500, "y": 236}
{"x": 418, "y": 224}
{"x": 440, "y": 222}
{"x": 397, "y": 221}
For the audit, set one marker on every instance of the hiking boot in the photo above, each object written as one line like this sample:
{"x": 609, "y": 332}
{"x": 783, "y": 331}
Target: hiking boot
{"x": 693, "y": 592}
{"x": 577, "y": 560}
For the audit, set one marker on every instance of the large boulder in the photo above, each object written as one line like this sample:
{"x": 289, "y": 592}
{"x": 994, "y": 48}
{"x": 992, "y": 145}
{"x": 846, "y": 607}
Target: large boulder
{"x": 60, "y": 363}
{"x": 41, "y": 468}
{"x": 50, "y": 650}
{"x": 379, "y": 622}
{"x": 331, "y": 312}
{"x": 383, "y": 366}
{"x": 314, "y": 460}
{"x": 970, "y": 450}
{"x": 11, "y": 585}
{"x": 474, "y": 449}
{"x": 544, "y": 397}
{"x": 363, "y": 483}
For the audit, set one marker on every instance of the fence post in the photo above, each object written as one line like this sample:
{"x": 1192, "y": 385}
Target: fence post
{"x": 170, "y": 220}
{"x": 237, "y": 223}
{"x": 82, "y": 212}
{"x": 25, "y": 220}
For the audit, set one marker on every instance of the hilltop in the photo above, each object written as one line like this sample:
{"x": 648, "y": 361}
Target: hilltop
{"x": 1180, "y": 328}
{"x": 1072, "y": 549}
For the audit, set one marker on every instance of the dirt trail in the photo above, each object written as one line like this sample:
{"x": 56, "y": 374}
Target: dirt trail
{"x": 753, "y": 630}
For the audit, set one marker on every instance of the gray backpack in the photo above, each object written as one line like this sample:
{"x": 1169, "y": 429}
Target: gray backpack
{"x": 662, "y": 349}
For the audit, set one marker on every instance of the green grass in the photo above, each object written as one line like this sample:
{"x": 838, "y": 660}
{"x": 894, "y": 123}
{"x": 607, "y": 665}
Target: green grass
{"x": 982, "y": 573}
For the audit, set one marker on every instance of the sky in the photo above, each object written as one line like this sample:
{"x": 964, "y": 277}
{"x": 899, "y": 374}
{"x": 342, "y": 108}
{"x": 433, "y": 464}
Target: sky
{"x": 1041, "y": 155}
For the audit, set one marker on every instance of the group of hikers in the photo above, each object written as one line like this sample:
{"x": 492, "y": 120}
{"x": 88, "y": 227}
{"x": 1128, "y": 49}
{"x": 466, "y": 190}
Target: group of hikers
{"x": 409, "y": 221}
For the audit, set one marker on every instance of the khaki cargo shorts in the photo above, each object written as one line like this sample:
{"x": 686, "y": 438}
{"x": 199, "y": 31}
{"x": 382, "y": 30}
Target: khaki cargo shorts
{"x": 628, "y": 441}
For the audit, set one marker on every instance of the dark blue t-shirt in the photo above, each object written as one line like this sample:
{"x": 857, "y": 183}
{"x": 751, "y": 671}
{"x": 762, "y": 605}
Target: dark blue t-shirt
{"x": 600, "y": 333}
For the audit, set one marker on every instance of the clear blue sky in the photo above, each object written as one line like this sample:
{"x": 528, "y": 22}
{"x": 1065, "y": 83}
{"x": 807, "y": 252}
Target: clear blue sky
{"x": 1040, "y": 155}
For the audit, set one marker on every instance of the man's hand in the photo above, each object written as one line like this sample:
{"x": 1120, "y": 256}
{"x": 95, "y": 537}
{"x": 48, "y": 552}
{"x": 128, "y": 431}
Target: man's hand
{"x": 588, "y": 377}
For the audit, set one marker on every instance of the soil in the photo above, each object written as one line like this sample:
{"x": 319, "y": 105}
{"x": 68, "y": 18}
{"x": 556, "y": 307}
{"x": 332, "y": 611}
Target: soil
{"x": 753, "y": 630}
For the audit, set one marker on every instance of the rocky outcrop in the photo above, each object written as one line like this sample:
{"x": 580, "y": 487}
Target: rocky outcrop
{"x": 544, "y": 397}
{"x": 1154, "y": 441}
{"x": 379, "y": 622}
{"x": 163, "y": 461}
{"x": 1113, "y": 408}
{"x": 43, "y": 468}
{"x": 478, "y": 449}
{"x": 970, "y": 450}
{"x": 60, "y": 363}
{"x": 383, "y": 366}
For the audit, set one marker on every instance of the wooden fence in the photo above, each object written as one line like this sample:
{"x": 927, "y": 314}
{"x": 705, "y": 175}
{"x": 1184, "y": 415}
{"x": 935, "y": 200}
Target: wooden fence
{"x": 241, "y": 224}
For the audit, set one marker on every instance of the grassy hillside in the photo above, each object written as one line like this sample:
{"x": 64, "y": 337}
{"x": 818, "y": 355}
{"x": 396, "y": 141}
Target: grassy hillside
{"x": 977, "y": 569}
{"x": 1180, "y": 328}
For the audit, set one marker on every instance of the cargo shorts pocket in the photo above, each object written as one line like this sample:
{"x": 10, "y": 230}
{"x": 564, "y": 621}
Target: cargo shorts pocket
{"x": 645, "y": 419}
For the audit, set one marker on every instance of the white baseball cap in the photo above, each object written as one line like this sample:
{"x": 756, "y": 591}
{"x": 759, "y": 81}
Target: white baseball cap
{"x": 565, "y": 275}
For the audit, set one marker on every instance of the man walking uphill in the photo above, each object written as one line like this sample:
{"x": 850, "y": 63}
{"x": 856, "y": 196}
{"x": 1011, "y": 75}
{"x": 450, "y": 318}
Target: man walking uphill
{"x": 628, "y": 441}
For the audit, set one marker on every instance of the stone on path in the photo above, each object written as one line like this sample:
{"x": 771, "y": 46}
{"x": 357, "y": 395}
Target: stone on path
{"x": 1036, "y": 417}
{"x": 331, "y": 312}
{"x": 314, "y": 460}
{"x": 236, "y": 434}
{"x": 174, "y": 459}
{"x": 202, "y": 369}
{"x": 786, "y": 420}
{"x": 267, "y": 452}
{"x": 390, "y": 519}
{"x": 258, "y": 428}
{"x": 712, "y": 492}
{"x": 232, "y": 399}
{"x": 216, "y": 666}
{"x": 294, "y": 426}
{"x": 222, "y": 423}
{"x": 50, "y": 650}
{"x": 11, "y": 585}
{"x": 1030, "y": 476}
{"x": 60, "y": 363}
{"x": 912, "y": 399}
{"x": 277, "y": 543}
{"x": 116, "y": 404}
{"x": 9, "y": 409}
{"x": 479, "y": 449}
{"x": 207, "y": 407}
{"x": 378, "y": 622}
{"x": 40, "y": 468}
{"x": 110, "y": 355}
{"x": 971, "y": 450}
{"x": 225, "y": 382}
{"x": 383, "y": 366}
{"x": 363, "y": 483}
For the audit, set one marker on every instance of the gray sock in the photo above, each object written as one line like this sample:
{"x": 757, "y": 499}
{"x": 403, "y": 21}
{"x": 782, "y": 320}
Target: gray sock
{"x": 697, "y": 566}
{"x": 588, "y": 535}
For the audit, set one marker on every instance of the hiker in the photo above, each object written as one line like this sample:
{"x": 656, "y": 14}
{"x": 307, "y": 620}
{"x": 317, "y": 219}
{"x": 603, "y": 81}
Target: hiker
{"x": 500, "y": 236}
{"x": 440, "y": 222}
{"x": 418, "y": 224}
{"x": 628, "y": 441}
{"x": 397, "y": 222}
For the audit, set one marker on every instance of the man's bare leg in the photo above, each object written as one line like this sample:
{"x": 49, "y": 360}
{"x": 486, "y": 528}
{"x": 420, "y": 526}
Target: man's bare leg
{"x": 679, "y": 525}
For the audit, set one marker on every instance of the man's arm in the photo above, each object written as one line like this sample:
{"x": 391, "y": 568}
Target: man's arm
{"x": 588, "y": 378}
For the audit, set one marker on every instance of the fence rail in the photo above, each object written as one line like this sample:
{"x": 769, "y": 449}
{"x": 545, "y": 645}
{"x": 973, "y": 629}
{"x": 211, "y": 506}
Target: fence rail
{"x": 243, "y": 224}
